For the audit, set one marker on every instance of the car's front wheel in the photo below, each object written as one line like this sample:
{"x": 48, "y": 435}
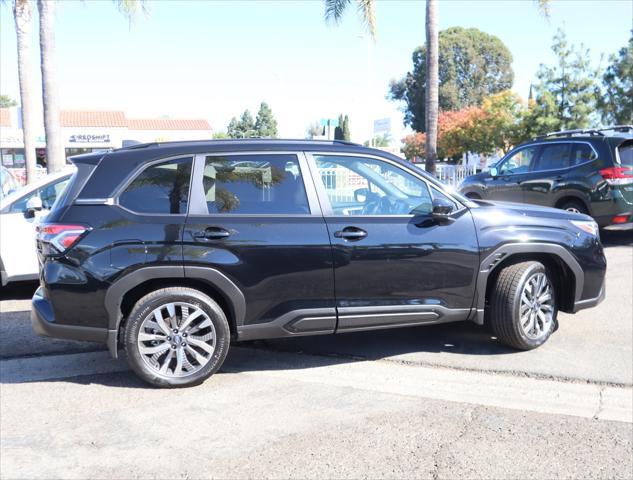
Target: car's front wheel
{"x": 522, "y": 305}
{"x": 176, "y": 337}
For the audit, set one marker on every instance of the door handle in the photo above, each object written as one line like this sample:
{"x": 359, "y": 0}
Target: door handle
{"x": 351, "y": 233}
{"x": 212, "y": 233}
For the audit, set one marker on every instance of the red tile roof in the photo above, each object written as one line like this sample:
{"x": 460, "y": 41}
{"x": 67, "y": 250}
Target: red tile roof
{"x": 5, "y": 117}
{"x": 167, "y": 124}
{"x": 80, "y": 118}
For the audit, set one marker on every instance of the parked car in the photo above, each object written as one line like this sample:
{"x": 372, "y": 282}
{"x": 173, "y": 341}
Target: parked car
{"x": 20, "y": 212}
{"x": 8, "y": 183}
{"x": 172, "y": 250}
{"x": 583, "y": 171}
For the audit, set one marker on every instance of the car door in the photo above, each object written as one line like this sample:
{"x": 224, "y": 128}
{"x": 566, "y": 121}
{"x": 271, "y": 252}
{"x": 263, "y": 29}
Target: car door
{"x": 17, "y": 236}
{"x": 510, "y": 173}
{"x": 255, "y": 219}
{"x": 393, "y": 265}
{"x": 547, "y": 173}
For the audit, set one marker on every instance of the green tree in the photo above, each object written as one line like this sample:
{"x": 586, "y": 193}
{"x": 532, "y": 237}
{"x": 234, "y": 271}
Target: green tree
{"x": 338, "y": 130}
{"x": 6, "y": 101}
{"x": 347, "y": 134}
{"x": 242, "y": 128}
{"x": 265, "y": 123}
{"x": 571, "y": 82}
{"x": 473, "y": 65}
{"x": 334, "y": 10}
{"x": 616, "y": 99}
{"x": 379, "y": 141}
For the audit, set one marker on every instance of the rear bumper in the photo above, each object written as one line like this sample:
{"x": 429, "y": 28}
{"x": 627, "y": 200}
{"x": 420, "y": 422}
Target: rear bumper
{"x": 44, "y": 323}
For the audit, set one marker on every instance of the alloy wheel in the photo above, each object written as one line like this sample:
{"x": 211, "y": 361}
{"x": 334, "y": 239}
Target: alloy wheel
{"x": 537, "y": 306}
{"x": 176, "y": 339}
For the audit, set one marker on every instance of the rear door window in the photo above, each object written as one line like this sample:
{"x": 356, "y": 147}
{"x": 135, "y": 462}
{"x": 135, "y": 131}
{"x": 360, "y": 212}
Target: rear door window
{"x": 160, "y": 189}
{"x": 553, "y": 157}
{"x": 266, "y": 184}
{"x": 625, "y": 154}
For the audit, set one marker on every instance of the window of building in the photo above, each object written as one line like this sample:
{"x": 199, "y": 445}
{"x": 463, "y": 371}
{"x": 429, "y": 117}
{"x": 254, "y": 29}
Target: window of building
{"x": 160, "y": 189}
{"x": 254, "y": 184}
{"x": 13, "y": 157}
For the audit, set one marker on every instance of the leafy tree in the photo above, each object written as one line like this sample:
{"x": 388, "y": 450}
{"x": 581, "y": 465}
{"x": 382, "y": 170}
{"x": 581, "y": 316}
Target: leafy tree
{"x": 315, "y": 129}
{"x": 616, "y": 101}
{"x": 265, "y": 123}
{"x": 242, "y": 128}
{"x": 571, "y": 82}
{"x": 347, "y": 134}
{"x": 380, "y": 141}
{"x": 472, "y": 66}
{"x": 338, "y": 130}
{"x": 220, "y": 135}
{"x": 6, "y": 101}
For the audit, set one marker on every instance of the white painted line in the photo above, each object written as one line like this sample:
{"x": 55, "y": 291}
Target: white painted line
{"x": 504, "y": 391}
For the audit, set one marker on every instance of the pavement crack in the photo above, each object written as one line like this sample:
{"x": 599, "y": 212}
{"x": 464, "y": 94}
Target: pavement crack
{"x": 444, "y": 445}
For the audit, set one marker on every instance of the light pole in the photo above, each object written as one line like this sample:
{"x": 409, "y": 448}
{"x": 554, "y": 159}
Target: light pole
{"x": 370, "y": 78}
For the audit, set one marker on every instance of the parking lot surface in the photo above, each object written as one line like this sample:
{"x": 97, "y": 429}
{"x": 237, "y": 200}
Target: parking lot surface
{"x": 436, "y": 402}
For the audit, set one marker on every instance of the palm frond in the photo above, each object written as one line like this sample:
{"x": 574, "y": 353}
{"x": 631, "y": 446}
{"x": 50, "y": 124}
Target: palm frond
{"x": 334, "y": 10}
{"x": 543, "y": 7}
{"x": 131, "y": 8}
{"x": 367, "y": 10}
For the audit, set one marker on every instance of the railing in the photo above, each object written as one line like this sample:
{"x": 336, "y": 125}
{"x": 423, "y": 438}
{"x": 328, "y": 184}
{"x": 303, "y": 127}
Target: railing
{"x": 453, "y": 174}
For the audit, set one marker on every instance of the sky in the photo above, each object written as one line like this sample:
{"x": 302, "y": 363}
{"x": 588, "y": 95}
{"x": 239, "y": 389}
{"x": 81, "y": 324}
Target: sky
{"x": 214, "y": 59}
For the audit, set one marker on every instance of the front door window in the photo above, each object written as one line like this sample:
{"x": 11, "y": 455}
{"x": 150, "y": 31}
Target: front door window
{"x": 518, "y": 162}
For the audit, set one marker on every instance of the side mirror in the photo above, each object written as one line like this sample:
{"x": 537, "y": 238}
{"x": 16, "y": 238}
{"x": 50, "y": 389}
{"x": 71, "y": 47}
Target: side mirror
{"x": 441, "y": 209}
{"x": 494, "y": 172}
{"x": 33, "y": 205}
{"x": 361, "y": 195}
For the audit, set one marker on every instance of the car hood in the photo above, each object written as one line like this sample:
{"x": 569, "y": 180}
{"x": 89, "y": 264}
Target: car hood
{"x": 488, "y": 213}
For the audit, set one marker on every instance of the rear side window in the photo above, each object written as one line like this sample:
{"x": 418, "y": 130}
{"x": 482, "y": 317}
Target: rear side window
{"x": 254, "y": 184}
{"x": 625, "y": 154}
{"x": 553, "y": 157}
{"x": 582, "y": 153}
{"x": 160, "y": 189}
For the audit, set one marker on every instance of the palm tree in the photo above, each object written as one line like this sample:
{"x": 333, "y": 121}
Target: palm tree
{"x": 55, "y": 154}
{"x": 366, "y": 8}
{"x": 23, "y": 14}
{"x": 431, "y": 92}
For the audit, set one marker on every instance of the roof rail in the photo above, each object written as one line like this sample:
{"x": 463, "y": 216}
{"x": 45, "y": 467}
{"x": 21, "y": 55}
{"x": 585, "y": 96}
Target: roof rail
{"x": 570, "y": 133}
{"x": 617, "y": 128}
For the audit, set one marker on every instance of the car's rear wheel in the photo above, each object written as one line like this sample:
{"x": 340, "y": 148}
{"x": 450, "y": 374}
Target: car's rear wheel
{"x": 573, "y": 206}
{"x": 523, "y": 305}
{"x": 176, "y": 337}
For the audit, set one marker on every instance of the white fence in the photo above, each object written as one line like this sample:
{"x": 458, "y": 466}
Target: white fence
{"x": 453, "y": 174}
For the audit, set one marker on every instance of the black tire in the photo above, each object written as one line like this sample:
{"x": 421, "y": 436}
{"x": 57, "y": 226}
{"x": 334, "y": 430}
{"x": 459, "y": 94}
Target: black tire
{"x": 574, "y": 206}
{"x": 504, "y": 306}
{"x": 146, "y": 305}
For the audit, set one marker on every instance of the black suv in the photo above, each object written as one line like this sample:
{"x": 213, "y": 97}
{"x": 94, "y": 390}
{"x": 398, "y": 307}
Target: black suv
{"x": 172, "y": 250}
{"x": 581, "y": 171}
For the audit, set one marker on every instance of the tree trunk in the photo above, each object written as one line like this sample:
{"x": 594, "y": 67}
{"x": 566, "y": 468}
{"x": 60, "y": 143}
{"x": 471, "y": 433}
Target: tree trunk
{"x": 23, "y": 14}
{"x": 55, "y": 155}
{"x": 432, "y": 84}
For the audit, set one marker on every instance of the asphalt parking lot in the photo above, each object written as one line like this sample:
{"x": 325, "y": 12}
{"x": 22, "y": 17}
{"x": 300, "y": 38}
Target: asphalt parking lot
{"x": 442, "y": 401}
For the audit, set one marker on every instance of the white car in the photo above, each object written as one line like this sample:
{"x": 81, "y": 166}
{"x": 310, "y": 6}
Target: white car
{"x": 20, "y": 212}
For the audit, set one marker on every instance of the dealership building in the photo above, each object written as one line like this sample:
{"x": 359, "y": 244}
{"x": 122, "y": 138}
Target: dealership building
{"x": 88, "y": 131}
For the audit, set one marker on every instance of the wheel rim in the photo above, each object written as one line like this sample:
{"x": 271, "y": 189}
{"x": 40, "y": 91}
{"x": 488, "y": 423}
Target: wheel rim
{"x": 573, "y": 210}
{"x": 537, "y": 306}
{"x": 176, "y": 339}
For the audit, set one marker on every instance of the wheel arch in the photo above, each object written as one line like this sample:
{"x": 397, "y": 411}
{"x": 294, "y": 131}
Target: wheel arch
{"x": 126, "y": 291}
{"x": 556, "y": 258}
{"x": 574, "y": 198}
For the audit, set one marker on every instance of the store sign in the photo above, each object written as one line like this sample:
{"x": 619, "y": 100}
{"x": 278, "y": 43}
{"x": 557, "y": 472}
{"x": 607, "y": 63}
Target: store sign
{"x": 382, "y": 126}
{"x": 89, "y": 138}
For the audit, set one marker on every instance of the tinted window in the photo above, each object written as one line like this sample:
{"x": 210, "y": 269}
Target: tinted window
{"x": 582, "y": 153}
{"x": 160, "y": 189}
{"x": 254, "y": 184}
{"x": 625, "y": 154}
{"x": 517, "y": 162}
{"x": 20, "y": 205}
{"x": 364, "y": 186}
{"x": 553, "y": 157}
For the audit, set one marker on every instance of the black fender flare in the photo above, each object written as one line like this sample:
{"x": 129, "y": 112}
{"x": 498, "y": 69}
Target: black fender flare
{"x": 506, "y": 251}
{"x": 115, "y": 293}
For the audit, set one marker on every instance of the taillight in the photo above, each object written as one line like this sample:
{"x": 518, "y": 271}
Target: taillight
{"x": 60, "y": 236}
{"x": 619, "y": 219}
{"x": 617, "y": 175}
